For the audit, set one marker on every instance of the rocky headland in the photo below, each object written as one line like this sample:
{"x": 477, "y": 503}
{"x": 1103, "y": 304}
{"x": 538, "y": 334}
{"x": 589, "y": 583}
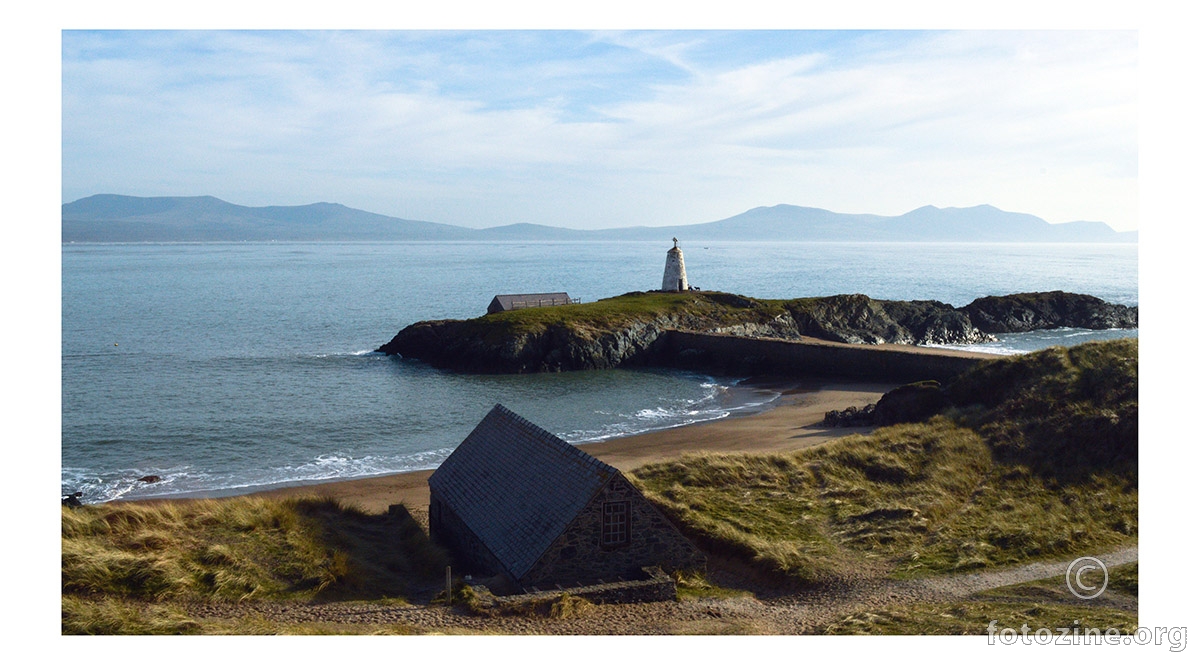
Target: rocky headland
{"x": 628, "y": 329}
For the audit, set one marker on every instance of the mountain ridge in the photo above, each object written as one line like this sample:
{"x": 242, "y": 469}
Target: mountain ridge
{"x": 120, "y": 218}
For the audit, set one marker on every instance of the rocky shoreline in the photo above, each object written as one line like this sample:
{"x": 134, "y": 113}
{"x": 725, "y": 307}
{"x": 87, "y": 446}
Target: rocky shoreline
{"x": 627, "y": 330}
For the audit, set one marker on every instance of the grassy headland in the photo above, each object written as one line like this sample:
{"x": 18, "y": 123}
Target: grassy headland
{"x": 618, "y": 312}
{"x": 625, "y": 329}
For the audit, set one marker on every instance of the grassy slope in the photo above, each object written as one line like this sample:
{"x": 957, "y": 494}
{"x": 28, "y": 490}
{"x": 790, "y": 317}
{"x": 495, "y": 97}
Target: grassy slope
{"x": 1038, "y": 460}
{"x": 116, "y": 557}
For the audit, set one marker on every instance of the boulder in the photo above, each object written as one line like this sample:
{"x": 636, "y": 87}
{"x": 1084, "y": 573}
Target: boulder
{"x": 851, "y": 417}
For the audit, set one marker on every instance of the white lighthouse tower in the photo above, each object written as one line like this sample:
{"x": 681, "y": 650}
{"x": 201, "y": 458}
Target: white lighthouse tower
{"x": 674, "y": 275}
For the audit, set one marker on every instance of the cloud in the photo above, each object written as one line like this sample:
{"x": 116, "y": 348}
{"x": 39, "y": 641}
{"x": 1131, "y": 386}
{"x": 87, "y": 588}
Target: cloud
{"x": 592, "y": 129}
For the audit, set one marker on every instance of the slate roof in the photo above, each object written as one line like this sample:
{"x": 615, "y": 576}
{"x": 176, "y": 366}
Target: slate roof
{"x": 512, "y": 301}
{"x": 517, "y": 486}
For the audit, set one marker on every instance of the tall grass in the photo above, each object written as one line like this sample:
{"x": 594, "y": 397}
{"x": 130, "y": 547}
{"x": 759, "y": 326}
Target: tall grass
{"x": 1038, "y": 460}
{"x": 241, "y": 548}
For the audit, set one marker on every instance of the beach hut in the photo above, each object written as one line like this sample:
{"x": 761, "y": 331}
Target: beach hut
{"x": 517, "y": 501}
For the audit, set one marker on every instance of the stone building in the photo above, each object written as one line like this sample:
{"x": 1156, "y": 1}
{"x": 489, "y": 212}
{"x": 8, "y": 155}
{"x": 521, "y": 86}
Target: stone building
{"x": 674, "y": 274}
{"x": 511, "y": 301}
{"x": 517, "y": 501}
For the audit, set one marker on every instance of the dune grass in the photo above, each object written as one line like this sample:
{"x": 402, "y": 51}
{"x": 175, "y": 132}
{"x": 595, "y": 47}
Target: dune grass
{"x": 116, "y": 616}
{"x": 117, "y": 555}
{"x": 1001, "y": 479}
{"x": 972, "y": 617}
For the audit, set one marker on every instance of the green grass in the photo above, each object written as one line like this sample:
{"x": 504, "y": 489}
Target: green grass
{"x": 231, "y": 550}
{"x": 973, "y": 617}
{"x": 693, "y": 585}
{"x": 604, "y": 316}
{"x": 1064, "y": 413}
{"x": 1124, "y": 579}
{"x": 699, "y": 309}
{"x": 1002, "y": 479}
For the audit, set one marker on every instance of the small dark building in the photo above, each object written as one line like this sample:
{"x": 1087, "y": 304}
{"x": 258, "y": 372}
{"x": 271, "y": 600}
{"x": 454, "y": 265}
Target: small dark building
{"x": 511, "y": 301}
{"x": 515, "y": 500}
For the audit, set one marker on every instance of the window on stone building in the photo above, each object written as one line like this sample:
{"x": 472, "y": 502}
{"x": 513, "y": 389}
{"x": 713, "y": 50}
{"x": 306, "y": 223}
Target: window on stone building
{"x": 616, "y": 524}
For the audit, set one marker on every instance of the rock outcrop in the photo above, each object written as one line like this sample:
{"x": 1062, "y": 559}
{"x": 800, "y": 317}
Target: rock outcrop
{"x": 556, "y": 347}
{"x": 626, "y": 330}
{"x": 857, "y": 319}
{"x": 910, "y": 403}
{"x": 1023, "y": 312}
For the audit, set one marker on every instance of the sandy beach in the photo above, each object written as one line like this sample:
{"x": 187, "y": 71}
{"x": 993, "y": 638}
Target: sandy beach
{"x": 793, "y": 423}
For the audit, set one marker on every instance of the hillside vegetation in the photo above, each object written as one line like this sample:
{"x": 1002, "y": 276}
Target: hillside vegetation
{"x": 118, "y": 555}
{"x": 1036, "y": 458}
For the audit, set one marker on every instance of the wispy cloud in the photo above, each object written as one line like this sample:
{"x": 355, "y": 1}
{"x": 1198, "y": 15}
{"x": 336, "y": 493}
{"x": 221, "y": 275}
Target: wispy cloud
{"x": 601, "y": 129}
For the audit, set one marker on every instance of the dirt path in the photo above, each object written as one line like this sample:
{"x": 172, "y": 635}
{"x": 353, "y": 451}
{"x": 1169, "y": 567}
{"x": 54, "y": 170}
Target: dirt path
{"x": 785, "y": 615}
{"x": 799, "y": 614}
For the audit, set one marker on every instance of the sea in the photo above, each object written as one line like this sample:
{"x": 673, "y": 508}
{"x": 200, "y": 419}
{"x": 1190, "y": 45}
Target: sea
{"x": 224, "y": 368}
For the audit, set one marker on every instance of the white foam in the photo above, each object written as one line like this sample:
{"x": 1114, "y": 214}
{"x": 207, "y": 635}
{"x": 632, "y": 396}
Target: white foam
{"x": 123, "y": 484}
{"x": 1008, "y": 344}
{"x": 677, "y": 413}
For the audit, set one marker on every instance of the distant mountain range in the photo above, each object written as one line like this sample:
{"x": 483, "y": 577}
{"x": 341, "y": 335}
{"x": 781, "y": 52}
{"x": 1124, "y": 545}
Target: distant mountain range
{"x": 116, "y": 218}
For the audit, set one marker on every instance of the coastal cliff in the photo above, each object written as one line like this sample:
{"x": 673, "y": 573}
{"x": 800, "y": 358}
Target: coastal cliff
{"x": 629, "y": 329}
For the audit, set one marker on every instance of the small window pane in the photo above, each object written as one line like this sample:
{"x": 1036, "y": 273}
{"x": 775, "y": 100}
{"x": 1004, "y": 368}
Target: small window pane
{"x": 615, "y": 529}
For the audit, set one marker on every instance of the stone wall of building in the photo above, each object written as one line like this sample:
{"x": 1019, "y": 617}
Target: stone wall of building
{"x": 657, "y": 586}
{"x": 674, "y": 273}
{"x": 579, "y": 557}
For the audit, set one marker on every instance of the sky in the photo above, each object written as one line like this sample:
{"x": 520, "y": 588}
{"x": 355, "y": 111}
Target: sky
{"x": 599, "y": 129}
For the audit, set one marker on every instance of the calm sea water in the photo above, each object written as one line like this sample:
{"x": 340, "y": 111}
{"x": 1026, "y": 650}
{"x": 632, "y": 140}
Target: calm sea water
{"x": 225, "y": 367}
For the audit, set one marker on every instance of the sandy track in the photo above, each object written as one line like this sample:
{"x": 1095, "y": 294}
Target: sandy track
{"x": 797, "y": 614}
